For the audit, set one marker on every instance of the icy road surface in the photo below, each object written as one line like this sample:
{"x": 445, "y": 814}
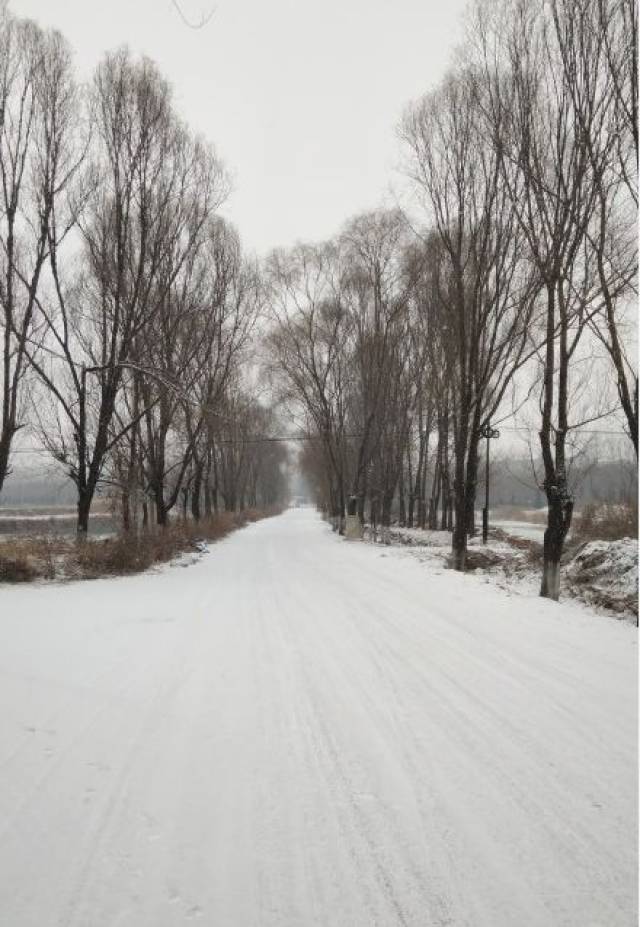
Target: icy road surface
{"x": 301, "y": 731}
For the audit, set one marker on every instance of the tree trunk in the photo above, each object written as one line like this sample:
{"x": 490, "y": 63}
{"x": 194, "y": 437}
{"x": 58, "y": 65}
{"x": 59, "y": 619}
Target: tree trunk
{"x": 343, "y": 508}
{"x": 402, "y": 506}
{"x": 196, "y": 493}
{"x": 436, "y": 483}
{"x": 459, "y": 540}
{"x": 126, "y": 511}
{"x": 5, "y": 446}
{"x": 558, "y": 525}
{"x": 471, "y": 484}
{"x": 362, "y": 498}
{"x": 559, "y": 499}
{"x": 411, "y": 495}
{"x": 446, "y": 498}
{"x": 85, "y": 497}
{"x": 208, "y": 498}
{"x": 162, "y": 514}
{"x": 387, "y": 502}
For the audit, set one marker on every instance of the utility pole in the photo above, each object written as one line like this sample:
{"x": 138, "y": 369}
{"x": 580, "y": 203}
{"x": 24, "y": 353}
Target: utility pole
{"x": 487, "y": 432}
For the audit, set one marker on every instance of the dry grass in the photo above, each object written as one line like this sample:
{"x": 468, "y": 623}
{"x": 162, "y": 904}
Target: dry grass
{"x": 532, "y": 550}
{"x": 605, "y": 522}
{"x": 25, "y": 559}
{"x": 16, "y": 569}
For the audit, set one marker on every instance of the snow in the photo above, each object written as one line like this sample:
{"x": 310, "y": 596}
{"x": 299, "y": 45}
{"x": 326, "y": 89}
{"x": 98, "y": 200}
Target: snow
{"x": 419, "y": 537}
{"x": 609, "y": 568}
{"x": 603, "y": 574}
{"x": 46, "y": 516}
{"x": 298, "y": 730}
{"x": 525, "y": 530}
{"x": 424, "y": 537}
{"x": 613, "y": 562}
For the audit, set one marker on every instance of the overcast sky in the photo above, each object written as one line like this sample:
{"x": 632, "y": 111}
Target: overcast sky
{"x": 301, "y": 99}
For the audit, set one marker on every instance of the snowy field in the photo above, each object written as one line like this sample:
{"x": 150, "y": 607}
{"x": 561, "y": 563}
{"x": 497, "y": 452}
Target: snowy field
{"x": 299, "y": 731}
{"x": 47, "y": 521}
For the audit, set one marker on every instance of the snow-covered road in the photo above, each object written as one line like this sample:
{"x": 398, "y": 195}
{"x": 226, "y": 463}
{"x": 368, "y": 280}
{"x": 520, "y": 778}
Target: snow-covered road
{"x": 301, "y": 731}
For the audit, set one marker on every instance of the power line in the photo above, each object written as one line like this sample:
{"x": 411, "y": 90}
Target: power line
{"x": 584, "y": 431}
{"x": 272, "y": 439}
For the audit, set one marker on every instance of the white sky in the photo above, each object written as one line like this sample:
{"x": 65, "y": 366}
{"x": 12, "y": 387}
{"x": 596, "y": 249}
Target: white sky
{"x": 301, "y": 99}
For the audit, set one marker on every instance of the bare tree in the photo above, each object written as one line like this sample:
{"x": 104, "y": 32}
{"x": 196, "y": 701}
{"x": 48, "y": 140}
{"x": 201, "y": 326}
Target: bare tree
{"x": 597, "y": 50}
{"x": 478, "y": 268}
{"x": 38, "y": 110}
{"x": 375, "y": 284}
{"x": 308, "y": 342}
{"x": 546, "y": 161}
{"x": 233, "y": 302}
{"x": 151, "y": 189}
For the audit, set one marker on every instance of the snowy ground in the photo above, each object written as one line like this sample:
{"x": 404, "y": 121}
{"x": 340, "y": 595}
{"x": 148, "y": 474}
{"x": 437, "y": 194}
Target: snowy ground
{"x": 602, "y": 574}
{"x": 525, "y": 530}
{"x": 300, "y": 731}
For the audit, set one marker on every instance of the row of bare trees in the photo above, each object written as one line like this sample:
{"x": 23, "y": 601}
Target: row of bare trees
{"x": 128, "y": 308}
{"x": 341, "y": 348}
{"x": 398, "y": 348}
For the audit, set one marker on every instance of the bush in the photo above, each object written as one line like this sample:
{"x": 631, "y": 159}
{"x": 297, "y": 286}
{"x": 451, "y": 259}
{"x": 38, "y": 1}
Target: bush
{"x": 26, "y": 558}
{"x": 16, "y": 570}
{"x": 111, "y": 557}
{"x": 606, "y": 522}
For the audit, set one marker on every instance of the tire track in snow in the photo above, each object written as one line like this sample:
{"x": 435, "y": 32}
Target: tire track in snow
{"x": 324, "y": 737}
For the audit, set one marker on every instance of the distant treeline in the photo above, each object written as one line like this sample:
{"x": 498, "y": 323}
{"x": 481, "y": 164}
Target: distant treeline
{"x": 512, "y": 483}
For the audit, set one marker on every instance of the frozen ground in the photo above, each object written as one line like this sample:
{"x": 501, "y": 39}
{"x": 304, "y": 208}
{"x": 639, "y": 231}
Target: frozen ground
{"x": 301, "y": 731}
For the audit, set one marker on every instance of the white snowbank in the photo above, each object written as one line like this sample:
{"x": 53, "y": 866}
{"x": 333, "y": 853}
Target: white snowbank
{"x": 607, "y": 567}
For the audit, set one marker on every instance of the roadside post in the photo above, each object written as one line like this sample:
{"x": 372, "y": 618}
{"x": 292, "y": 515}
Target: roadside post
{"x": 487, "y": 432}
{"x": 353, "y": 527}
